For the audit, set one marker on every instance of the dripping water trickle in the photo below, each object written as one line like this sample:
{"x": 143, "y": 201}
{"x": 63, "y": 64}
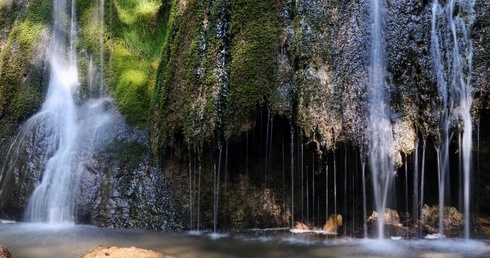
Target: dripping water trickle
{"x": 422, "y": 179}
{"x": 450, "y": 35}
{"x": 364, "y": 210}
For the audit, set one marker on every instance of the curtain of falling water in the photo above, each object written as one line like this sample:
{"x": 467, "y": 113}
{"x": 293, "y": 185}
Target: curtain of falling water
{"x": 53, "y": 200}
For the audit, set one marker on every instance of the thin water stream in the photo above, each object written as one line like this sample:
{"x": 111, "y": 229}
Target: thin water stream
{"x": 380, "y": 132}
{"x": 452, "y": 54}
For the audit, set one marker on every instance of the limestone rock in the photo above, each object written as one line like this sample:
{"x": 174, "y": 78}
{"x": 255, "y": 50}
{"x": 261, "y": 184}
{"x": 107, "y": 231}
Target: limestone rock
{"x": 4, "y": 252}
{"x": 453, "y": 220}
{"x": 114, "y": 251}
{"x": 391, "y": 217}
{"x": 301, "y": 226}
{"x": 333, "y": 223}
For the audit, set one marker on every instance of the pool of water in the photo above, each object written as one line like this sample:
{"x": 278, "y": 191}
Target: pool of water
{"x": 38, "y": 240}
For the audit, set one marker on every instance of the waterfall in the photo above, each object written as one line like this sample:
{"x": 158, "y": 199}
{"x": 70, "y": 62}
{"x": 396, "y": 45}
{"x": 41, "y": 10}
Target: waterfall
{"x": 452, "y": 54}
{"x": 61, "y": 132}
{"x": 53, "y": 200}
{"x": 379, "y": 125}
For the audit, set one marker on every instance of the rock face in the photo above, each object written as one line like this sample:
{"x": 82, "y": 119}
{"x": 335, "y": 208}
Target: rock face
{"x": 4, "y": 252}
{"x": 105, "y": 251}
{"x": 118, "y": 187}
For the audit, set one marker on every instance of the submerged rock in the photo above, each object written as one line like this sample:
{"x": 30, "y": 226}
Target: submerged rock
{"x": 105, "y": 251}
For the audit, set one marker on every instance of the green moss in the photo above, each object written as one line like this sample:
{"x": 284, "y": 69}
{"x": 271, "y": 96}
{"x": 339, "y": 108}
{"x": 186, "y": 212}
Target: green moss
{"x": 134, "y": 11}
{"x": 139, "y": 37}
{"x": 90, "y": 29}
{"x": 218, "y": 66}
{"x": 176, "y": 82}
{"x": 134, "y": 32}
{"x": 253, "y": 68}
{"x": 132, "y": 95}
{"x": 21, "y": 65}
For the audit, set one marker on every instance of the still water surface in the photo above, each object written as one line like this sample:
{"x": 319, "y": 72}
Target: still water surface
{"x": 38, "y": 240}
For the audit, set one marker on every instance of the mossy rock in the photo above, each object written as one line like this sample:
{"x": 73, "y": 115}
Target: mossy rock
{"x": 22, "y": 64}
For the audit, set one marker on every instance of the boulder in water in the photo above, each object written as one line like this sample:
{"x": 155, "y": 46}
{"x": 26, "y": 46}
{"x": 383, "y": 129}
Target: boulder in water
{"x": 4, "y": 252}
{"x": 391, "y": 217}
{"x": 114, "y": 251}
{"x": 301, "y": 226}
{"x": 333, "y": 223}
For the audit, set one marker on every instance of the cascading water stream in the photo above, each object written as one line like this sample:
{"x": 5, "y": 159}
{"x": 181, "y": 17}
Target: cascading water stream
{"x": 62, "y": 132}
{"x": 450, "y": 36}
{"x": 379, "y": 126}
{"x": 52, "y": 200}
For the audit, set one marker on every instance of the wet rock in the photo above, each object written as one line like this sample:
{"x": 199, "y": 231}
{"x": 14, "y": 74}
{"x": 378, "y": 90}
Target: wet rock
{"x": 300, "y": 225}
{"x": 453, "y": 220}
{"x": 4, "y": 252}
{"x": 392, "y": 225}
{"x": 333, "y": 223}
{"x": 105, "y": 251}
{"x": 391, "y": 217}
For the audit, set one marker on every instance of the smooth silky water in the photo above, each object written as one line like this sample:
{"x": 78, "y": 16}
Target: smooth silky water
{"x": 47, "y": 240}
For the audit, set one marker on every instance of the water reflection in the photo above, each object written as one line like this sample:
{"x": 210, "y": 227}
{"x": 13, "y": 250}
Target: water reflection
{"x": 41, "y": 240}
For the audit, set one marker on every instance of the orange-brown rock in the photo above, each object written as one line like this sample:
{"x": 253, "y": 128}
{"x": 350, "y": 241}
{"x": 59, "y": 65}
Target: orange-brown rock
{"x": 299, "y": 225}
{"x": 391, "y": 217}
{"x": 4, "y": 252}
{"x": 120, "y": 252}
{"x": 333, "y": 223}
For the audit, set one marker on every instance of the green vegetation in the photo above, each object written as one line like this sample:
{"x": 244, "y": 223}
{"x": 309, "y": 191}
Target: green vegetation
{"x": 173, "y": 91}
{"x": 133, "y": 34}
{"x": 21, "y": 62}
{"x": 137, "y": 51}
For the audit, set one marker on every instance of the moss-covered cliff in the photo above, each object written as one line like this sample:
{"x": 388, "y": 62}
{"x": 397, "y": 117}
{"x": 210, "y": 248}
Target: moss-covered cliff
{"x": 218, "y": 68}
{"x": 232, "y": 69}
